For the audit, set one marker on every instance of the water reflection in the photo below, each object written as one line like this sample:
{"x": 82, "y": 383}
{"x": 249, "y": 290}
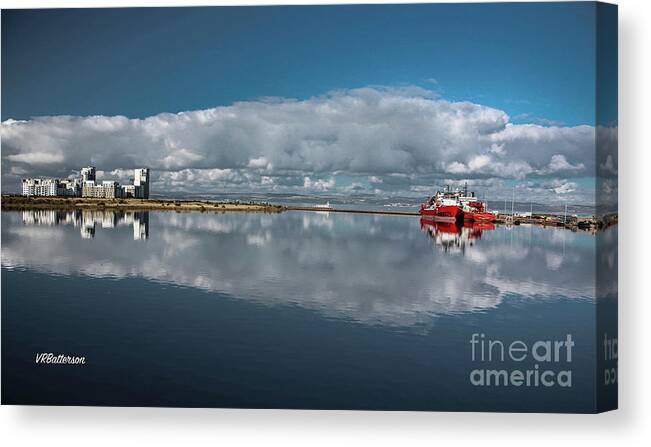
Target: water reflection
{"x": 88, "y": 220}
{"x": 453, "y": 237}
{"x": 368, "y": 268}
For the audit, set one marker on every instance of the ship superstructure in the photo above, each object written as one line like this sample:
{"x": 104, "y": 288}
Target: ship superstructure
{"x": 455, "y": 206}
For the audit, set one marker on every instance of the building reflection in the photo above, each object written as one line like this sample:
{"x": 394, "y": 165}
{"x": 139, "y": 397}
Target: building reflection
{"x": 452, "y": 237}
{"x": 89, "y": 220}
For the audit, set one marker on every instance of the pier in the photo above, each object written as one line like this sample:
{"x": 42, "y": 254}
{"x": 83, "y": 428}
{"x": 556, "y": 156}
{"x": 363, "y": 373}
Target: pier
{"x": 347, "y": 210}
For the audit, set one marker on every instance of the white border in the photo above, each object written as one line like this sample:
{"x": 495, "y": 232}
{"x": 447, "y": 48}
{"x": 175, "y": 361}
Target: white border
{"x": 97, "y": 426}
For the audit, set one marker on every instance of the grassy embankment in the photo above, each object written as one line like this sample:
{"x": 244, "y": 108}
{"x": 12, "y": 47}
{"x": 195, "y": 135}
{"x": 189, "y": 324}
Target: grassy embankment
{"x": 12, "y": 202}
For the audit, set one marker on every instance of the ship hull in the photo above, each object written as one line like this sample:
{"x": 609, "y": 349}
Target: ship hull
{"x": 479, "y": 217}
{"x": 443, "y": 213}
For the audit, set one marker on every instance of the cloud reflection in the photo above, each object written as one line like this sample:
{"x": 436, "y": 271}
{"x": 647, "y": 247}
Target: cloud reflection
{"x": 372, "y": 269}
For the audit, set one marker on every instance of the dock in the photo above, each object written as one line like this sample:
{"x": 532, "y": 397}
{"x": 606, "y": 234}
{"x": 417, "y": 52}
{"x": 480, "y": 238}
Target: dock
{"x": 573, "y": 223}
{"x": 348, "y": 210}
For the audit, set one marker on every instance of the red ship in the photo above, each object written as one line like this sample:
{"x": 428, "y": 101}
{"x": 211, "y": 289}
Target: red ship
{"x": 475, "y": 211}
{"x": 444, "y": 206}
{"x": 454, "y": 206}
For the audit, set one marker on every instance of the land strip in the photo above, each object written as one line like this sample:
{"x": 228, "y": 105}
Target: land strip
{"x": 14, "y": 202}
{"x": 17, "y": 202}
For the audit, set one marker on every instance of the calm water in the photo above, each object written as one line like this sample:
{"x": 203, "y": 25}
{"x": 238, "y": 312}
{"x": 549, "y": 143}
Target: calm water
{"x": 291, "y": 310}
{"x": 374, "y": 202}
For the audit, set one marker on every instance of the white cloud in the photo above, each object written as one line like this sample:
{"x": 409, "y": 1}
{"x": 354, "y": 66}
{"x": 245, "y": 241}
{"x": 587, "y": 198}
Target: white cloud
{"x": 36, "y": 158}
{"x": 562, "y": 186}
{"x": 537, "y": 145}
{"x": 320, "y": 184}
{"x": 375, "y": 133}
{"x": 497, "y": 149}
{"x": 259, "y": 163}
{"x": 487, "y": 165}
{"x": 559, "y": 163}
{"x": 479, "y": 162}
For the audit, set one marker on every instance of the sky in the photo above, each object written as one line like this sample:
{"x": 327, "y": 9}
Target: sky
{"x": 394, "y": 99}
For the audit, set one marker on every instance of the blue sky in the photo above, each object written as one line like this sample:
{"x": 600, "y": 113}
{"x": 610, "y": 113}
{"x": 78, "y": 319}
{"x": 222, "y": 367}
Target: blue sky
{"x": 534, "y": 61}
{"x": 495, "y": 94}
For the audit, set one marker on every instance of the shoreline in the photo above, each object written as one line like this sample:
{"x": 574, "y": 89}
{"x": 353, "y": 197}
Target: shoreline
{"x": 11, "y": 202}
{"x": 18, "y": 203}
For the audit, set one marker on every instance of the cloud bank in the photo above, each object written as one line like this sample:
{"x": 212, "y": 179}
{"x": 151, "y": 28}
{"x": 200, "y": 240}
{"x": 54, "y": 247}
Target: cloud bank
{"x": 395, "y": 140}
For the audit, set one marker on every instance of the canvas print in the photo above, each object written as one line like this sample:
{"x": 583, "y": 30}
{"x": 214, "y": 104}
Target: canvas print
{"x": 359, "y": 207}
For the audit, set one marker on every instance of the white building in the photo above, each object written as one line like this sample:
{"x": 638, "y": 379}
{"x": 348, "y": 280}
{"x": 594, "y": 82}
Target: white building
{"x": 108, "y": 189}
{"x": 88, "y": 173}
{"x": 40, "y": 186}
{"x": 141, "y": 182}
{"x": 128, "y": 191}
{"x": 87, "y": 186}
{"x": 69, "y": 187}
